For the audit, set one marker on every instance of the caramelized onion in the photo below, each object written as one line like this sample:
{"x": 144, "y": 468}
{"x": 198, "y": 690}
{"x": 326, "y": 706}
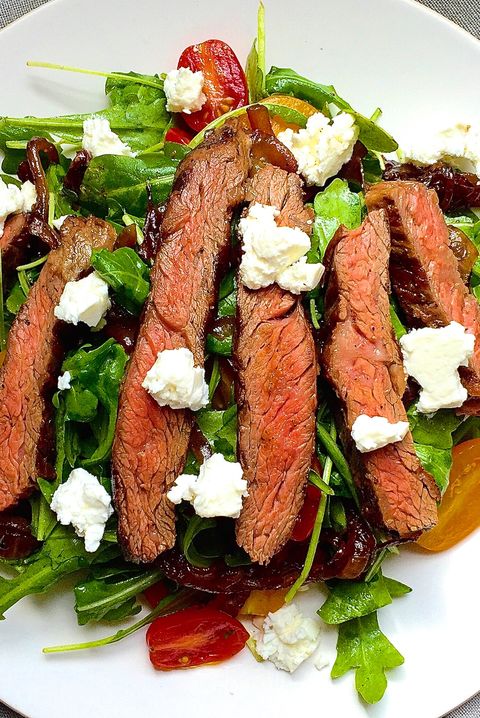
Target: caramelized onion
{"x": 269, "y": 149}
{"x": 151, "y": 229}
{"x": 16, "y": 539}
{"x": 464, "y": 250}
{"x": 75, "y": 173}
{"x": 39, "y": 228}
{"x": 259, "y": 119}
{"x": 35, "y": 146}
{"x": 352, "y": 171}
{"x": 127, "y": 237}
{"x": 122, "y": 326}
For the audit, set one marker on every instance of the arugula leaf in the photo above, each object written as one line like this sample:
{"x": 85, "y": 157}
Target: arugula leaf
{"x": 353, "y": 599}
{"x": 220, "y": 430}
{"x": 93, "y": 399}
{"x": 62, "y": 553}
{"x": 200, "y": 541}
{"x": 334, "y": 206}
{"x": 397, "y": 325}
{"x": 361, "y": 646}
{"x": 125, "y": 272}
{"x": 221, "y": 345}
{"x": 285, "y": 81}
{"x": 255, "y": 67}
{"x": 113, "y": 184}
{"x": 433, "y": 441}
{"x": 110, "y": 593}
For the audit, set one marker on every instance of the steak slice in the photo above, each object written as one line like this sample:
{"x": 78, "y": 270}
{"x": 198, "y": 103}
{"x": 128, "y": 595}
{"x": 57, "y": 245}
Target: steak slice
{"x": 361, "y": 361}
{"x": 151, "y": 442}
{"x": 13, "y": 241}
{"x": 425, "y": 273}
{"x": 276, "y": 388}
{"x": 34, "y": 355}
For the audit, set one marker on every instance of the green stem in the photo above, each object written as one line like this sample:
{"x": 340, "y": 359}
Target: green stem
{"x": 23, "y": 281}
{"x": 98, "y": 73}
{"x": 261, "y": 43}
{"x": 3, "y": 337}
{"x": 32, "y": 265}
{"x": 317, "y": 527}
{"x": 16, "y": 144}
{"x": 338, "y": 459}
{"x": 145, "y": 582}
{"x": 169, "y": 604}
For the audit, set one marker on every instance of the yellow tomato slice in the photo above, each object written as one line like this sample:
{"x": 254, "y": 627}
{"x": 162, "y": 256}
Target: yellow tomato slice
{"x": 259, "y": 603}
{"x": 459, "y": 512}
{"x": 305, "y": 108}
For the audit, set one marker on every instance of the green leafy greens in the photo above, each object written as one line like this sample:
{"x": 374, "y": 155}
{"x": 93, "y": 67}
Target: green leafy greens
{"x": 126, "y": 274}
{"x": 432, "y": 436}
{"x": 334, "y": 206}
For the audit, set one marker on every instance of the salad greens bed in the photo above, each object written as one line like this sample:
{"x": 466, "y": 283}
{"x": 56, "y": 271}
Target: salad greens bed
{"x": 108, "y": 589}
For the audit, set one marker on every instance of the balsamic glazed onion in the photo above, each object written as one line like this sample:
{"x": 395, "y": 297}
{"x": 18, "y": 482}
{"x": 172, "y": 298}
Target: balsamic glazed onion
{"x": 265, "y": 145}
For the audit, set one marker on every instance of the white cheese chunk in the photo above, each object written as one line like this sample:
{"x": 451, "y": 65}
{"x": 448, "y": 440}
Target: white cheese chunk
{"x": 269, "y": 251}
{"x": 99, "y": 139}
{"x": 218, "y": 490}
{"x": 64, "y": 380}
{"x": 85, "y": 300}
{"x": 288, "y": 637}
{"x": 83, "y": 502}
{"x": 15, "y": 199}
{"x": 323, "y": 147}
{"x": 458, "y": 145}
{"x": 174, "y": 381}
{"x": 183, "y": 90}
{"x": 432, "y": 357}
{"x": 373, "y": 432}
{"x": 57, "y": 223}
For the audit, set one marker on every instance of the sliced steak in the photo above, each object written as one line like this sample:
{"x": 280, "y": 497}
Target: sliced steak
{"x": 151, "y": 441}
{"x": 425, "y": 273}
{"x": 34, "y": 354}
{"x": 361, "y": 361}
{"x": 13, "y": 242}
{"x": 276, "y": 388}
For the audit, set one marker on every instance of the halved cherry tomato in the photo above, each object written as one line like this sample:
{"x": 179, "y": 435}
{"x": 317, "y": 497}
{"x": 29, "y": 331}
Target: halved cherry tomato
{"x": 458, "y": 514}
{"x": 225, "y": 85}
{"x": 194, "y": 637}
{"x": 259, "y": 603}
{"x": 176, "y": 134}
{"x": 154, "y": 594}
{"x": 306, "y": 518}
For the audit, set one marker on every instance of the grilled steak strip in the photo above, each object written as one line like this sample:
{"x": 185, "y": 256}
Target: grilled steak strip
{"x": 361, "y": 361}
{"x": 151, "y": 441}
{"x": 276, "y": 388}
{"x": 425, "y": 273}
{"x": 34, "y": 354}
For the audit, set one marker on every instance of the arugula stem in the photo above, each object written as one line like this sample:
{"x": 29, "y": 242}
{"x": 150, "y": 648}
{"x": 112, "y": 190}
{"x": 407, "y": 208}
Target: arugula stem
{"x": 98, "y": 73}
{"x": 51, "y": 208}
{"x": 373, "y": 570}
{"x": 170, "y": 604}
{"x": 261, "y": 43}
{"x": 338, "y": 458}
{"x": 317, "y": 527}
{"x": 145, "y": 582}
{"x": 16, "y": 144}
{"x": 23, "y": 281}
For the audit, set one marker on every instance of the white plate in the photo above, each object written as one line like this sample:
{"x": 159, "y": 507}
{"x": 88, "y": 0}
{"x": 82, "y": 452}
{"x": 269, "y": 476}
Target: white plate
{"x": 420, "y": 69}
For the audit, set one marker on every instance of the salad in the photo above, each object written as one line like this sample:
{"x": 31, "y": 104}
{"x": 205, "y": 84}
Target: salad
{"x": 238, "y": 357}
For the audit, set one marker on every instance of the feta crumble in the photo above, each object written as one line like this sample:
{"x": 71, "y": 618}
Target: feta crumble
{"x": 458, "y": 145}
{"x": 218, "y": 490}
{"x": 64, "y": 380}
{"x": 15, "y": 199}
{"x": 85, "y": 300}
{"x": 83, "y": 502}
{"x": 183, "y": 90}
{"x": 288, "y": 637}
{"x": 373, "y": 432}
{"x": 432, "y": 357}
{"x": 272, "y": 253}
{"x": 99, "y": 139}
{"x": 174, "y": 381}
{"x": 323, "y": 147}
{"x": 57, "y": 223}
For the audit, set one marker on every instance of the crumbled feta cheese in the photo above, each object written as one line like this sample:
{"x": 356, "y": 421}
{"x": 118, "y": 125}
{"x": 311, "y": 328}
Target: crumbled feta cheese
{"x": 183, "y": 90}
{"x": 432, "y": 357}
{"x": 323, "y": 147}
{"x": 99, "y": 139}
{"x": 64, "y": 381}
{"x": 218, "y": 490}
{"x": 270, "y": 252}
{"x": 288, "y": 637}
{"x": 300, "y": 276}
{"x": 458, "y": 145}
{"x": 85, "y": 300}
{"x": 174, "y": 381}
{"x": 57, "y": 223}
{"x": 15, "y": 199}
{"x": 373, "y": 432}
{"x": 83, "y": 502}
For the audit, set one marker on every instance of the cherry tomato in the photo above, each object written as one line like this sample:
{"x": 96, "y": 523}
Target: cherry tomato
{"x": 458, "y": 513}
{"x": 194, "y": 637}
{"x": 176, "y": 134}
{"x": 306, "y": 518}
{"x": 154, "y": 594}
{"x": 225, "y": 85}
{"x": 259, "y": 603}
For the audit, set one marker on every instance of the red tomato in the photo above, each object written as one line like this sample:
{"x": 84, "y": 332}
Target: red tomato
{"x": 306, "y": 518}
{"x": 176, "y": 134}
{"x": 154, "y": 594}
{"x": 194, "y": 637}
{"x": 225, "y": 85}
